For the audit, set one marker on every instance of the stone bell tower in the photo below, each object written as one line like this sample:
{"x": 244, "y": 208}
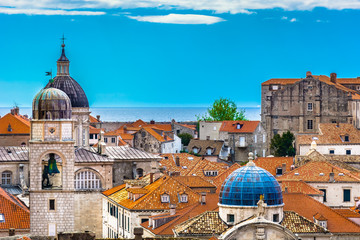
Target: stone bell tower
{"x": 51, "y": 160}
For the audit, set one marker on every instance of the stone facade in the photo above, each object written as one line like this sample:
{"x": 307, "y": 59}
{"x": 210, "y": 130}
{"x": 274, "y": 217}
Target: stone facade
{"x": 209, "y": 130}
{"x": 82, "y": 123}
{"x": 179, "y": 128}
{"x": 299, "y": 107}
{"x": 14, "y": 139}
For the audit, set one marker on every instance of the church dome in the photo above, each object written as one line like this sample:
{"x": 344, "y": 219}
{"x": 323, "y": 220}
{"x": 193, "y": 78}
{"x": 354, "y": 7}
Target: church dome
{"x": 245, "y": 185}
{"x": 71, "y": 88}
{"x": 51, "y": 104}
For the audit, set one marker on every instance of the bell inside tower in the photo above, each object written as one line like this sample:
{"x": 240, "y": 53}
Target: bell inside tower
{"x": 51, "y": 173}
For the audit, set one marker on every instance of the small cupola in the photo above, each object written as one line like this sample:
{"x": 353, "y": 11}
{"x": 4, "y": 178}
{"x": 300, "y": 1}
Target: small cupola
{"x": 63, "y": 62}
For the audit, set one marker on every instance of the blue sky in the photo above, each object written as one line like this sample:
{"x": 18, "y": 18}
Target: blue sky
{"x": 147, "y": 53}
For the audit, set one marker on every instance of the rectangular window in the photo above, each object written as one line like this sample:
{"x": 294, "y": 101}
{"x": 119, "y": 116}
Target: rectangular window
{"x": 2, "y": 218}
{"x": 309, "y": 106}
{"x": 264, "y": 152}
{"x": 113, "y": 140}
{"x": 231, "y": 218}
{"x": 276, "y": 217}
{"x": 264, "y": 138}
{"x": 91, "y": 136}
{"x": 346, "y": 195}
{"x": 331, "y": 151}
{"x": 208, "y": 151}
{"x": 242, "y": 141}
{"x": 348, "y": 152}
{"x": 214, "y": 128}
{"x": 255, "y": 138}
{"x": 105, "y": 140}
{"x": 275, "y": 87}
{"x": 52, "y": 204}
{"x": 346, "y": 138}
{"x": 309, "y": 124}
{"x": 324, "y": 197}
{"x": 279, "y": 171}
{"x": 144, "y": 220}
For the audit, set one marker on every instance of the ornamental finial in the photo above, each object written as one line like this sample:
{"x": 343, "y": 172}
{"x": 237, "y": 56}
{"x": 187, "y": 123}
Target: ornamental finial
{"x": 251, "y": 158}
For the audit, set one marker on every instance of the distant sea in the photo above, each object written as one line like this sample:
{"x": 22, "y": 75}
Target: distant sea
{"x": 159, "y": 114}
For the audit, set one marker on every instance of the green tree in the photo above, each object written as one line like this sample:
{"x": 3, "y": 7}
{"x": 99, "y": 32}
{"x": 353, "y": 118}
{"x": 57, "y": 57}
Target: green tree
{"x": 185, "y": 138}
{"x": 223, "y": 109}
{"x": 283, "y": 145}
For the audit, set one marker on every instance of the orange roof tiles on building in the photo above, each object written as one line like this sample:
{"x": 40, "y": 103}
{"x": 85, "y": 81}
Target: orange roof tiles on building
{"x": 206, "y": 165}
{"x": 185, "y": 214}
{"x": 270, "y": 164}
{"x": 156, "y": 135}
{"x": 126, "y": 136}
{"x": 138, "y": 123}
{"x": 186, "y": 162}
{"x": 218, "y": 181}
{"x": 319, "y": 172}
{"x": 298, "y": 186}
{"x": 16, "y": 214}
{"x": 164, "y": 127}
{"x": 194, "y": 181}
{"x": 308, "y": 207}
{"x": 152, "y": 200}
{"x": 347, "y": 212}
{"x": 193, "y": 127}
{"x": 122, "y": 142}
{"x": 93, "y": 119}
{"x": 18, "y": 124}
{"x": 332, "y": 133}
{"x": 93, "y": 130}
{"x": 113, "y": 190}
{"x": 246, "y": 126}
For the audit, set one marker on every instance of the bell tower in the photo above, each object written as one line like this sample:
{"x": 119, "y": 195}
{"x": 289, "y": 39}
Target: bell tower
{"x": 51, "y": 160}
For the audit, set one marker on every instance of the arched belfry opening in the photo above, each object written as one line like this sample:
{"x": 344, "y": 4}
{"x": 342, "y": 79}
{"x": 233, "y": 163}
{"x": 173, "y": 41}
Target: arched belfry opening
{"x": 52, "y": 166}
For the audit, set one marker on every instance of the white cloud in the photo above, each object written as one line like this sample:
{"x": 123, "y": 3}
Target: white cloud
{"x": 179, "y": 19}
{"x": 284, "y": 18}
{"x": 218, "y": 6}
{"x": 12, "y": 11}
{"x": 293, "y": 20}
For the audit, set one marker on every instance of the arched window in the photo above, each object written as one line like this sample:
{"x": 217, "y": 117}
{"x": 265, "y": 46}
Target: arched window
{"x": 140, "y": 172}
{"x": 87, "y": 180}
{"x": 6, "y": 178}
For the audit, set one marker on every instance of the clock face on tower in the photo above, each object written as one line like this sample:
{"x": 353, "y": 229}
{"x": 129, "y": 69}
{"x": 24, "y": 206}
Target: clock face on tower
{"x": 52, "y": 130}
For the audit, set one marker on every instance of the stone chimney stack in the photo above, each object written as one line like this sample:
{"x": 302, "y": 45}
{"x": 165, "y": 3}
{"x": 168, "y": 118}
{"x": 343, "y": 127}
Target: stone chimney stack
{"x": 172, "y": 209}
{"x": 177, "y": 161}
{"x": 333, "y": 77}
{"x": 15, "y": 111}
{"x": 152, "y": 122}
{"x": 151, "y": 178}
{"x": 332, "y": 177}
{"x": 308, "y": 74}
{"x": 138, "y": 232}
{"x": 98, "y": 117}
{"x": 283, "y": 168}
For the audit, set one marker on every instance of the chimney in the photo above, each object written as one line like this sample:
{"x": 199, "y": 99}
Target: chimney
{"x": 308, "y": 74}
{"x": 152, "y": 122}
{"x": 177, "y": 161}
{"x": 98, "y": 117}
{"x": 283, "y": 168}
{"x": 333, "y": 77}
{"x": 332, "y": 177}
{"x": 151, "y": 178}
{"x": 172, "y": 209}
{"x": 286, "y": 190}
{"x": 203, "y": 198}
{"x": 138, "y": 232}
{"x": 292, "y": 167}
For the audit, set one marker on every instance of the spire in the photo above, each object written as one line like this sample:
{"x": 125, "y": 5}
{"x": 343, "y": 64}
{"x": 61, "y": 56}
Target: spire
{"x": 63, "y": 61}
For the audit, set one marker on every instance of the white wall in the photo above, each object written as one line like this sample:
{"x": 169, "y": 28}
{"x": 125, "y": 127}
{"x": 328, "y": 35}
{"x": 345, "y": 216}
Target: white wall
{"x": 171, "y": 147}
{"x": 339, "y": 149}
{"x": 209, "y": 129}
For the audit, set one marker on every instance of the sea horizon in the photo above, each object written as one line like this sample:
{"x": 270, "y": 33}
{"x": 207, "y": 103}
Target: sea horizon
{"x": 158, "y": 114}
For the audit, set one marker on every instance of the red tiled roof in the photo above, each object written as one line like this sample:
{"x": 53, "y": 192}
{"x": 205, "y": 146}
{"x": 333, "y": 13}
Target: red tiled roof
{"x": 156, "y": 135}
{"x": 114, "y": 189}
{"x": 319, "y": 171}
{"x": 332, "y": 133}
{"x": 138, "y": 123}
{"x": 203, "y": 165}
{"x": 347, "y": 212}
{"x": 164, "y": 127}
{"x": 270, "y": 164}
{"x": 93, "y": 119}
{"x": 93, "y": 130}
{"x": 126, "y": 136}
{"x": 187, "y": 162}
{"x": 308, "y": 207}
{"x": 218, "y": 181}
{"x": 246, "y": 126}
{"x": 16, "y": 214}
{"x": 122, "y": 142}
{"x": 294, "y": 186}
{"x": 19, "y": 124}
{"x": 194, "y": 181}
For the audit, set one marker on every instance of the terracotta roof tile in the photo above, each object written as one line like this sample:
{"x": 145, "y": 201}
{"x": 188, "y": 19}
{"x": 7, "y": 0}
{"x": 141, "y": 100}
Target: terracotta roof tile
{"x": 93, "y": 119}
{"x": 156, "y": 135}
{"x": 187, "y": 162}
{"x": 299, "y": 224}
{"x": 203, "y": 145}
{"x": 94, "y": 130}
{"x": 206, "y": 223}
{"x": 16, "y": 214}
{"x": 164, "y": 127}
{"x": 203, "y": 165}
{"x": 138, "y": 123}
{"x": 126, "y": 136}
{"x": 270, "y": 164}
{"x": 114, "y": 189}
{"x": 218, "y": 181}
{"x": 319, "y": 171}
{"x": 298, "y": 186}
{"x": 246, "y": 126}
{"x": 194, "y": 181}
{"x": 332, "y": 133}
{"x": 18, "y": 123}
{"x": 347, "y": 212}
{"x": 307, "y": 207}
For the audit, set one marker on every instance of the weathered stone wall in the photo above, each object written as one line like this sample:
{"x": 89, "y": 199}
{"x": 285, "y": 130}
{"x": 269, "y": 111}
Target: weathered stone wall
{"x": 179, "y": 129}
{"x": 14, "y": 140}
{"x": 88, "y": 212}
{"x": 40, "y": 215}
{"x": 14, "y": 168}
{"x": 146, "y": 142}
{"x": 287, "y": 108}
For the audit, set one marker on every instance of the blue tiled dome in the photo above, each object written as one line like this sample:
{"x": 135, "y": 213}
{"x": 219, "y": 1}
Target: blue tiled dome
{"x": 245, "y": 185}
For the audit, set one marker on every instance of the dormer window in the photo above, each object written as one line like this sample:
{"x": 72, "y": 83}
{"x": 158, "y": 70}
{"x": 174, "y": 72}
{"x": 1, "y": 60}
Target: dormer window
{"x": 323, "y": 224}
{"x": 274, "y": 87}
{"x": 210, "y": 173}
{"x": 238, "y": 126}
{"x": 346, "y": 138}
{"x": 9, "y": 128}
{"x": 165, "y": 198}
{"x": 183, "y": 198}
{"x": 209, "y": 151}
{"x": 195, "y": 150}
